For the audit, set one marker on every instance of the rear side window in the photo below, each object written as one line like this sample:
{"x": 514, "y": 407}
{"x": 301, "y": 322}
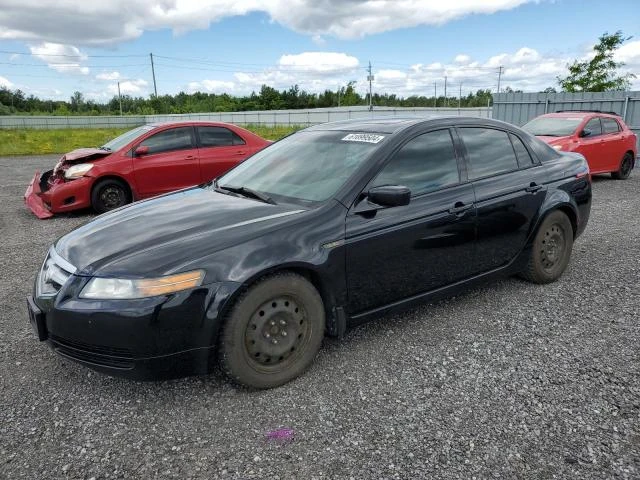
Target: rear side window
{"x": 490, "y": 151}
{"x": 218, "y": 137}
{"x": 609, "y": 125}
{"x": 524, "y": 158}
{"x": 424, "y": 164}
{"x": 594, "y": 127}
{"x": 169, "y": 140}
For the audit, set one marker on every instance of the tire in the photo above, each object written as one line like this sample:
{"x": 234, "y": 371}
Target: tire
{"x": 551, "y": 249}
{"x": 273, "y": 332}
{"x": 625, "y": 168}
{"x": 109, "y": 194}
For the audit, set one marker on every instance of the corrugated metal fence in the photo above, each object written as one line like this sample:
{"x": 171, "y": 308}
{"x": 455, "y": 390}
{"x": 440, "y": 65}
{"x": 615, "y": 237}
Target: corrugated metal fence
{"x": 264, "y": 117}
{"x": 519, "y": 108}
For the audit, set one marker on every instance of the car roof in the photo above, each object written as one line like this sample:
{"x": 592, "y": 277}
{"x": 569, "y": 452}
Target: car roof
{"x": 395, "y": 124}
{"x": 579, "y": 113}
{"x": 189, "y": 122}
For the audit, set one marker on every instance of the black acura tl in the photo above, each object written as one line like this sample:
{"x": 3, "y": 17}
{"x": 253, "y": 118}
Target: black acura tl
{"x": 316, "y": 233}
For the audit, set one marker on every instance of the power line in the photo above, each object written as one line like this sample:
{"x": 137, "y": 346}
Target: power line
{"x": 68, "y": 55}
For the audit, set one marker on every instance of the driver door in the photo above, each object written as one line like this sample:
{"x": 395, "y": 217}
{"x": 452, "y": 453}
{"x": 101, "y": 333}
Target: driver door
{"x": 171, "y": 163}
{"x": 397, "y": 252}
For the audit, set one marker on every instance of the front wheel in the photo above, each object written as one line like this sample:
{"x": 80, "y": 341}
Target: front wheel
{"x": 109, "y": 194}
{"x": 551, "y": 250}
{"x": 625, "y": 168}
{"x": 273, "y": 332}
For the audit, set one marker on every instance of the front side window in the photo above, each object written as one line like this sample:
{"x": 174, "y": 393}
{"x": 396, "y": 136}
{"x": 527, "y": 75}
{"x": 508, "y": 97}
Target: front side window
{"x": 218, "y": 137}
{"x": 424, "y": 164}
{"x": 593, "y": 126}
{"x": 169, "y": 140}
{"x": 609, "y": 125}
{"x": 490, "y": 151}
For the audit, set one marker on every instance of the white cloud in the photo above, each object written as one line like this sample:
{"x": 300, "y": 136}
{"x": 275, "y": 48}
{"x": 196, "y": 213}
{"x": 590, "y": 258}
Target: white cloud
{"x": 128, "y": 87}
{"x": 110, "y": 76}
{"x": 5, "y": 83}
{"x": 211, "y": 86}
{"x": 14, "y": 56}
{"x": 319, "y": 63}
{"x": 61, "y": 58}
{"x": 82, "y": 22}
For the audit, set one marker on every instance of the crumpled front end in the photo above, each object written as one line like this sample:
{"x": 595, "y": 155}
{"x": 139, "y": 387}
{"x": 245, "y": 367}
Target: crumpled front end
{"x": 33, "y": 198}
{"x": 52, "y": 192}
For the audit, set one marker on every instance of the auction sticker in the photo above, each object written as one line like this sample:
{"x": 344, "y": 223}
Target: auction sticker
{"x": 363, "y": 137}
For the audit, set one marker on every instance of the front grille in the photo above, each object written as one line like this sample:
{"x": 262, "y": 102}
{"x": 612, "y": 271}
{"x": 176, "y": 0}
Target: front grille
{"x": 53, "y": 275}
{"x": 94, "y": 354}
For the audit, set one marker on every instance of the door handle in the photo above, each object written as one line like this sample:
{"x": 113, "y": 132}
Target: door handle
{"x": 189, "y": 157}
{"x": 459, "y": 208}
{"x": 533, "y": 187}
{"x": 241, "y": 152}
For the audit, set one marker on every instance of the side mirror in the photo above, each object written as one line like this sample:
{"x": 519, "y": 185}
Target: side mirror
{"x": 389, "y": 195}
{"x": 141, "y": 150}
{"x": 585, "y": 133}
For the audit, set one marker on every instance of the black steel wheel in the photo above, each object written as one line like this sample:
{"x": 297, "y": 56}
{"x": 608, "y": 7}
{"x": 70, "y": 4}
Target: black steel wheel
{"x": 626, "y": 165}
{"x": 109, "y": 194}
{"x": 551, "y": 249}
{"x": 273, "y": 332}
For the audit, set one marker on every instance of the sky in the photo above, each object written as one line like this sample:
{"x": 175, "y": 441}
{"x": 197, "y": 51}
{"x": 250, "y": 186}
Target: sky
{"x": 51, "y": 48}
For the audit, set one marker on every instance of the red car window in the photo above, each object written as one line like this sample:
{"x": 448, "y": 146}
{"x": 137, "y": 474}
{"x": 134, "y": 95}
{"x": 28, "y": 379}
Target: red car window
{"x": 609, "y": 125}
{"x": 594, "y": 127}
{"x": 218, "y": 137}
{"x": 169, "y": 140}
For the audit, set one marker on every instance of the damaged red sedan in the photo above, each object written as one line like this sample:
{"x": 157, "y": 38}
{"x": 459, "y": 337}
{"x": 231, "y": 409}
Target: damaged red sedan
{"x": 144, "y": 162}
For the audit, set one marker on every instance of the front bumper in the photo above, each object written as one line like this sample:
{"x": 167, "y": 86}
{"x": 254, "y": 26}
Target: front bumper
{"x": 144, "y": 339}
{"x": 59, "y": 198}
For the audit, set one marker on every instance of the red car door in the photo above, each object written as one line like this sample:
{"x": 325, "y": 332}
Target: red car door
{"x": 614, "y": 147}
{"x": 219, "y": 149}
{"x": 592, "y": 146}
{"x": 170, "y": 163}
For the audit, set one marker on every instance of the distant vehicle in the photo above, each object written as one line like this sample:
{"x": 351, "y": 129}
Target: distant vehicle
{"x": 318, "y": 232}
{"x": 603, "y": 138}
{"x": 144, "y": 162}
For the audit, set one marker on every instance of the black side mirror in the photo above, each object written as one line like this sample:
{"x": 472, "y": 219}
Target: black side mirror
{"x": 585, "y": 133}
{"x": 389, "y": 195}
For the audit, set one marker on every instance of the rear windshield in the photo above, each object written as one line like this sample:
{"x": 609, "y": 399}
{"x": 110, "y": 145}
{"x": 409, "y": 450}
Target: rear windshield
{"x": 553, "y": 126}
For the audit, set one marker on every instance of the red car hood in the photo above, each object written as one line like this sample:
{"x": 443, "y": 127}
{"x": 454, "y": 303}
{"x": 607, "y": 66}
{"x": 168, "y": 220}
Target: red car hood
{"x": 80, "y": 153}
{"x": 553, "y": 140}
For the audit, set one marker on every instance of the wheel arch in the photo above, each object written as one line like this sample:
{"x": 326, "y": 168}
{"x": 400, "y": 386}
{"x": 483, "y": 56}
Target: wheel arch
{"x": 633, "y": 157}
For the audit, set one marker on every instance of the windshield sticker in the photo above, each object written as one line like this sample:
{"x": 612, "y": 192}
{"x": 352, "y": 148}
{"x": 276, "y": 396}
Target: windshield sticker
{"x": 363, "y": 137}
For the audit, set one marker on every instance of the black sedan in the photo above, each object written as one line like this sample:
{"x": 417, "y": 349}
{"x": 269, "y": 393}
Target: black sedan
{"x": 320, "y": 231}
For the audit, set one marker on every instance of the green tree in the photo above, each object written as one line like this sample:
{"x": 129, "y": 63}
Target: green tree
{"x": 76, "y": 100}
{"x": 600, "y": 73}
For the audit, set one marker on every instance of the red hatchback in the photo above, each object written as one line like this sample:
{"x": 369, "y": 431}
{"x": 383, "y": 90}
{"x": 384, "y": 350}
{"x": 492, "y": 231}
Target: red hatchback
{"x": 605, "y": 141}
{"x": 146, "y": 161}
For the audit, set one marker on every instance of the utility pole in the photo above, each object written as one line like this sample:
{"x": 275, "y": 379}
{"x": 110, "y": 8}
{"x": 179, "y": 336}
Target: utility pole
{"x": 153, "y": 72}
{"x": 460, "y": 96}
{"x": 339, "y": 88}
{"x": 120, "y": 98}
{"x": 435, "y": 95}
{"x": 499, "y": 77}
{"x": 370, "y": 78}
{"x": 446, "y": 102}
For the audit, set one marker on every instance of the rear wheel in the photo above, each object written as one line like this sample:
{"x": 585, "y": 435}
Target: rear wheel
{"x": 273, "y": 332}
{"x": 551, "y": 250}
{"x": 109, "y": 194}
{"x": 625, "y": 168}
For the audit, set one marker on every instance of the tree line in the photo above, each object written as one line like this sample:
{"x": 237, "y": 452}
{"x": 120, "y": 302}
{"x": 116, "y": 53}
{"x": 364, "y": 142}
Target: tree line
{"x": 14, "y": 102}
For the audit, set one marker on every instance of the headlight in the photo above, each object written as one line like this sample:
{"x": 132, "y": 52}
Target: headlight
{"x": 558, "y": 147}
{"x": 77, "y": 171}
{"x": 120, "y": 288}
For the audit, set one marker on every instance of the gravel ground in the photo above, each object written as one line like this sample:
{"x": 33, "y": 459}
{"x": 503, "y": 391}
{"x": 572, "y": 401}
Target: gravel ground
{"x": 508, "y": 381}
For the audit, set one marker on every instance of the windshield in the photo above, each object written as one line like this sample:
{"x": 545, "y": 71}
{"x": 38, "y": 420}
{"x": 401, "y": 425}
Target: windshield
{"x": 119, "y": 142}
{"x": 309, "y": 166}
{"x": 553, "y": 126}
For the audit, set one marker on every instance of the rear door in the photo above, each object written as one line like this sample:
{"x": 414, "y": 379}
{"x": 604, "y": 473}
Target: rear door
{"x": 509, "y": 190}
{"x": 397, "y": 252}
{"x": 172, "y": 162}
{"x": 220, "y": 149}
{"x": 614, "y": 147}
{"x": 592, "y": 146}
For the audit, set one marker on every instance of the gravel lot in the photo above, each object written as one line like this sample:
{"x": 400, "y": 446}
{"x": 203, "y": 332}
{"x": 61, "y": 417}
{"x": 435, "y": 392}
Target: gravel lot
{"x": 509, "y": 381}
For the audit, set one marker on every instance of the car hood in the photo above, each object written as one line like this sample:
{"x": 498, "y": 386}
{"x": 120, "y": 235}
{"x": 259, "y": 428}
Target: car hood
{"x": 162, "y": 235}
{"x": 84, "y": 153}
{"x": 553, "y": 140}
